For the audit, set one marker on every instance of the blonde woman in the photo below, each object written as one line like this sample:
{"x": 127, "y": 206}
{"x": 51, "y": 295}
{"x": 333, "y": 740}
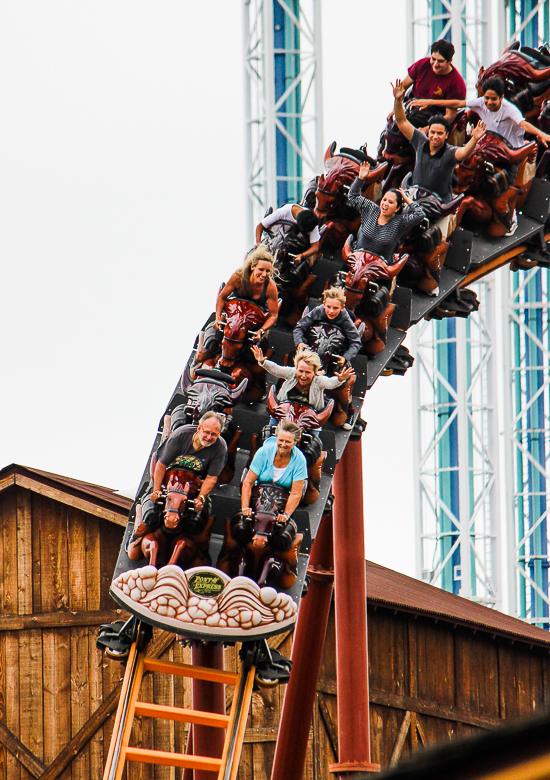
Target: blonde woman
{"x": 306, "y": 381}
{"x": 253, "y": 283}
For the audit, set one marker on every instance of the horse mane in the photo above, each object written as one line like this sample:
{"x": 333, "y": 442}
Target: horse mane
{"x": 343, "y": 171}
{"x": 511, "y": 66}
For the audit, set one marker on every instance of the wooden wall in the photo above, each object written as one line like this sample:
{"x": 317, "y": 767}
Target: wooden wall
{"x": 430, "y": 681}
{"x": 55, "y": 571}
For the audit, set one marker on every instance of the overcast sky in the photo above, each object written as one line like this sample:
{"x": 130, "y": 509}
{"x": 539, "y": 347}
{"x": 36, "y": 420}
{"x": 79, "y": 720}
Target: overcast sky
{"x": 123, "y": 208}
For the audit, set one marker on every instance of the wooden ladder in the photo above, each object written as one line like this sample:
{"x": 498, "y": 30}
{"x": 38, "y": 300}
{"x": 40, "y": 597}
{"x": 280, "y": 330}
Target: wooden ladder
{"x": 227, "y": 766}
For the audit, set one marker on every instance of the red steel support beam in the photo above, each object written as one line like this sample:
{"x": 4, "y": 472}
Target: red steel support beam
{"x": 208, "y": 697}
{"x": 307, "y": 651}
{"x": 350, "y": 601}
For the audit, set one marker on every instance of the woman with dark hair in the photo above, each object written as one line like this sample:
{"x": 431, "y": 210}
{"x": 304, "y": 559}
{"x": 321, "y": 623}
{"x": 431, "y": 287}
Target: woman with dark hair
{"x": 295, "y": 218}
{"x": 382, "y": 227}
{"x": 281, "y": 463}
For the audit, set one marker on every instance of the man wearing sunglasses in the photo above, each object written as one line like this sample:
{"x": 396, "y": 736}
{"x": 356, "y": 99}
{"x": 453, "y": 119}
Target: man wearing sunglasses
{"x": 194, "y": 448}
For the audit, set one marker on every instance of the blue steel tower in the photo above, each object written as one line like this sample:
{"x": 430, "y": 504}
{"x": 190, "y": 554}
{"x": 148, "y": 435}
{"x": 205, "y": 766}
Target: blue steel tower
{"x": 456, "y": 426}
{"x": 527, "y": 394}
{"x": 283, "y": 99}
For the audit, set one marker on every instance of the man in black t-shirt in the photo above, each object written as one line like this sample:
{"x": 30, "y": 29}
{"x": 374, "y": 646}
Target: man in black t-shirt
{"x": 194, "y": 448}
{"x": 435, "y": 158}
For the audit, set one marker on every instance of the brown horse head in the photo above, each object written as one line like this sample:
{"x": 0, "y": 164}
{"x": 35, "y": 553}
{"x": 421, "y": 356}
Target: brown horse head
{"x": 181, "y": 487}
{"x": 366, "y": 268}
{"x": 340, "y": 174}
{"x": 513, "y": 69}
{"x": 491, "y": 151}
{"x": 240, "y": 317}
{"x": 304, "y": 417}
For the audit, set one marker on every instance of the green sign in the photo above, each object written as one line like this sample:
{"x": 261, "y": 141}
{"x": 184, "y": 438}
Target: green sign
{"x": 206, "y": 584}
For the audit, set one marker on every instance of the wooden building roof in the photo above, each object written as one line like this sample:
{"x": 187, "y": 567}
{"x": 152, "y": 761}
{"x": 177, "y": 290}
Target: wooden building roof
{"x": 99, "y": 501}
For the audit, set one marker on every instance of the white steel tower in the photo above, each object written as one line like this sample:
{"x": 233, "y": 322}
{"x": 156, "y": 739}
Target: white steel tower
{"x": 456, "y": 426}
{"x": 283, "y": 99}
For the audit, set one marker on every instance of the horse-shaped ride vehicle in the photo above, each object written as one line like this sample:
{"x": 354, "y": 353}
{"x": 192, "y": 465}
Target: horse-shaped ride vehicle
{"x": 260, "y": 547}
{"x": 490, "y": 197}
{"x": 229, "y": 350}
{"x": 171, "y": 531}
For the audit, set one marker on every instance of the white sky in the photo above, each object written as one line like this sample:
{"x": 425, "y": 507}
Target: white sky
{"x": 122, "y": 209}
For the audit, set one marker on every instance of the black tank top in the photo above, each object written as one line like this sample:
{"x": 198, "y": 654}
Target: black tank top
{"x": 260, "y": 301}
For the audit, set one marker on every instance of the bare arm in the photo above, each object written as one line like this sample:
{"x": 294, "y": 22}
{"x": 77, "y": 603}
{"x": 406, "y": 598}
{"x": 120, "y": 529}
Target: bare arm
{"x": 294, "y": 498}
{"x": 309, "y": 253}
{"x": 272, "y": 305}
{"x": 402, "y": 122}
{"x": 230, "y": 287}
{"x": 259, "y": 231}
{"x": 246, "y": 490}
{"x": 450, "y": 115}
{"x": 160, "y": 471}
{"x": 544, "y": 138}
{"x": 452, "y": 104}
{"x": 465, "y": 151}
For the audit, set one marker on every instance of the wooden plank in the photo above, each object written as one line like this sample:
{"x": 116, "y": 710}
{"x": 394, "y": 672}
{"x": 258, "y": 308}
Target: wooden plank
{"x": 9, "y": 559}
{"x": 61, "y": 619}
{"x": 54, "y": 561}
{"x": 95, "y": 686}
{"x": 24, "y": 552}
{"x": 77, "y": 555}
{"x": 12, "y": 701}
{"x": 387, "y": 699}
{"x": 400, "y": 741}
{"x": 110, "y": 540}
{"x": 36, "y": 509}
{"x": 80, "y": 698}
{"x": 93, "y": 563}
{"x": 3, "y": 756}
{"x": 21, "y": 755}
{"x": 31, "y": 692}
{"x": 7, "y": 482}
{"x": 326, "y": 717}
{"x": 57, "y": 700}
{"x": 119, "y": 517}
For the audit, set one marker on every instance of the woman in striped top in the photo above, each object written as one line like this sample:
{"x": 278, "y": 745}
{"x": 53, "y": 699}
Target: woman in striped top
{"x": 382, "y": 227}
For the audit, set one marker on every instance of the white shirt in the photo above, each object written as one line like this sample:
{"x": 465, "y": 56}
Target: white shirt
{"x": 278, "y": 473}
{"x": 505, "y": 121}
{"x": 285, "y": 212}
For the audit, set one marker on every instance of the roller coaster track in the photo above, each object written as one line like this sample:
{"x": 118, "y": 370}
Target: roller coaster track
{"x": 469, "y": 258}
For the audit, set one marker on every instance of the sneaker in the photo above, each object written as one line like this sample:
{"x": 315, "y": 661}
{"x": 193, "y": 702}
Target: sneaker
{"x": 513, "y": 226}
{"x": 348, "y": 425}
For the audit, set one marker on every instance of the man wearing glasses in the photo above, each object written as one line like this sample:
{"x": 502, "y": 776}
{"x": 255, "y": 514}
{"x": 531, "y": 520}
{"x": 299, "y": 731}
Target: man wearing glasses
{"x": 194, "y": 448}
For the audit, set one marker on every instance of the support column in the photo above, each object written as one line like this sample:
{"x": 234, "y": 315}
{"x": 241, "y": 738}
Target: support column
{"x": 208, "y": 697}
{"x": 350, "y": 599}
{"x": 307, "y": 651}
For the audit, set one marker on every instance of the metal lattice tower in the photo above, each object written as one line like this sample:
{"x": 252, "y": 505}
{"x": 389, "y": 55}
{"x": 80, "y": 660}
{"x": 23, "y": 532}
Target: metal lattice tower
{"x": 526, "y": 383}
{"x": 456, "y": 442}
{"x": 456, "y": 429}
{"x": 283, "y": 99}
{"x": 527, "y": 428}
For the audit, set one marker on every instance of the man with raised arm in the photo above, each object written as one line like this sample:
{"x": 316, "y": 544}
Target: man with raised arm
{"x": 500, "y": 116}
{"x": 435, "y": 158}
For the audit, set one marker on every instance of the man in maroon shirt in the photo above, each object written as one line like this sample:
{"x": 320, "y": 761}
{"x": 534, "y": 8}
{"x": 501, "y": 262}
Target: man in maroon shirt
{"x": 435, "y": 75}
